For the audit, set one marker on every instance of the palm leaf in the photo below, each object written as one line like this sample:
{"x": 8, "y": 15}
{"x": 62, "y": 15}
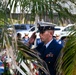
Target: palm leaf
{"x": 33, "y": 55}
{"x": 68, "y": 57}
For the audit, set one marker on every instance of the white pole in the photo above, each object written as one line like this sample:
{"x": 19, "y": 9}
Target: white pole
{"x": 36, "y": 21}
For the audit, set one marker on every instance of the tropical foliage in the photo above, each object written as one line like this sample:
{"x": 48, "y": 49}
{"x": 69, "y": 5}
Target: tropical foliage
{"x": 21, "y": 55}
{"x": 43, "y": 8}
{"x": 66, "y": 64}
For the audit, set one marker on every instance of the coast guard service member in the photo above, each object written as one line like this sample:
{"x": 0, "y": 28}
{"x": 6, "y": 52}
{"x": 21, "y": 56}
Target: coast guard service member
{"x": 52, "y": 50}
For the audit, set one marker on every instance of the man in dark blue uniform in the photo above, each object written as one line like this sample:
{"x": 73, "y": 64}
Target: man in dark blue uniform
{"x": 52, "y": 50}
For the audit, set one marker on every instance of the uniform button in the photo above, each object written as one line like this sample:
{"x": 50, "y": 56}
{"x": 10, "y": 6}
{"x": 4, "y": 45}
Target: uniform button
{"x": 49, "y": 62}
{"x": 42, "y": 72}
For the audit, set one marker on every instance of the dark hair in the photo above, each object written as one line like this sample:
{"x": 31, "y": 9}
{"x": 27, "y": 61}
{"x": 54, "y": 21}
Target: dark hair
{"x": 18, "y": 35}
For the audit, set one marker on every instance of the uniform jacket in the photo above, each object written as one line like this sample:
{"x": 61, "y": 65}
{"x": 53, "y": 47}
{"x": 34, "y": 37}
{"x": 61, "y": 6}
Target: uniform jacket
{"x": 50, "y": 55}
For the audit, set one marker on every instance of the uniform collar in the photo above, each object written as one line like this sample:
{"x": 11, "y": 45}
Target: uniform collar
{"x": 48, "y": 43}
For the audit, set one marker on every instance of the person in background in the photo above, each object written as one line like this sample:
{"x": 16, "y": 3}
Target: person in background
{"x": 38, "y": 41}
{"x": 18, "y": 36}
{"x": 49, "y": 48}
{"x": 59, "y": 40}
{"x": 25, "y": 38}
{"x": 64, "y": 39}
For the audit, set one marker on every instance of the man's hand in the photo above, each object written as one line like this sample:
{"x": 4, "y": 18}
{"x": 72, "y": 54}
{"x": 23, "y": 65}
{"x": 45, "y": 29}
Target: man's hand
{"x": 32, "y": 38}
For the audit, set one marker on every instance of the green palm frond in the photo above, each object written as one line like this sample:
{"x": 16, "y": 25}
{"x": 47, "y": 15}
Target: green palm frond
{"x": 22, "y": 53}
{"x": 32, "y": 55}
{"x": 66, "y": 64}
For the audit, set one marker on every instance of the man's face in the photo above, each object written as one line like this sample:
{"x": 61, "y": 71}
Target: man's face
{"x": 45, "y": 36}
{"x": 57, "y": 37}
{"x": 26, "y": 36}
